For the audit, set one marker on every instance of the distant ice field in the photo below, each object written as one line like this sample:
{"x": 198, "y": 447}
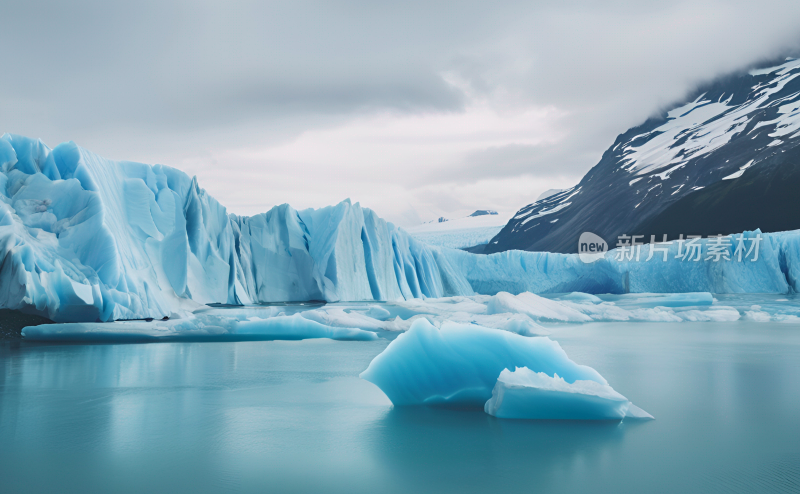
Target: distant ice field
{"x": 461, "y": 232}
{"x": 459, "y": 239}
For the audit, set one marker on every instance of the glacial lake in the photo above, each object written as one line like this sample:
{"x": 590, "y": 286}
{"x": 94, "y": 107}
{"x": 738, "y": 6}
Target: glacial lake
{"x": 293, "y": 416}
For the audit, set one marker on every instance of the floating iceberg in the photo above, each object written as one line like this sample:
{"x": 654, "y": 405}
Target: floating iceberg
{"x": 458, "y": 364}
{"x": 524, "y": 394}
{"x": 467, "y": 365}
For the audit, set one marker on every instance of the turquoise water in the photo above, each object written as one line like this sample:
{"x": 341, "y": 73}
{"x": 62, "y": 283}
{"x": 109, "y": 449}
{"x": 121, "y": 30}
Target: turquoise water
{"x": 294, "y": 417}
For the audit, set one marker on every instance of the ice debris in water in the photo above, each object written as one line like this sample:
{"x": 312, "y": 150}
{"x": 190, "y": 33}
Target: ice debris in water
{"x": 534, "y": 306}
{"x": 525, "y": 394}
{"x": 458, "y": 364}
{"x": 520, "y": 314}
{"x": 201, "y": 327}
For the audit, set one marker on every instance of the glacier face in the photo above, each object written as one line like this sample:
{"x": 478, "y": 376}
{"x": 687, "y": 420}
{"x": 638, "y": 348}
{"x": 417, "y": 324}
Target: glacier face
{"x": 460, "y": 233}
{"x": 87, "y": 239}
{"x": 84, "y": 238}
{"x": 776, "y": 270}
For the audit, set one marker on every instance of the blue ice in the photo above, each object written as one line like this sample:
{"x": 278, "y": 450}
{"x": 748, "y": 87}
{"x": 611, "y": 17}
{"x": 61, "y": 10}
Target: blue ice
{"x": 458, "y": 364}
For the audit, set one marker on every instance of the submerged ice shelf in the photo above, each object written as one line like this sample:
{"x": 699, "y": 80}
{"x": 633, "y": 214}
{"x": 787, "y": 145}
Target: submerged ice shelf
{"x": 202, "y": 326}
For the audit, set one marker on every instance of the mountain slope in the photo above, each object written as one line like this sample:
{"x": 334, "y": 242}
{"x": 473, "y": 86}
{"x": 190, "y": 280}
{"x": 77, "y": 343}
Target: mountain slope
{"x": 766, "y": 200}
{"x": 730, "y": 131}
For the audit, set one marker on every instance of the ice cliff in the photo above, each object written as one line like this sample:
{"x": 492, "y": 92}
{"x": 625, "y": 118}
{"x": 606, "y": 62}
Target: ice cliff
{"x": 83, "y": 238}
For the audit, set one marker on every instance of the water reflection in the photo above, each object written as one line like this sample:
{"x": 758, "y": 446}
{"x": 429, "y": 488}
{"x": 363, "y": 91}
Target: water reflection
{"x": 294, "y": 417}
{"x": 439, "y": 450}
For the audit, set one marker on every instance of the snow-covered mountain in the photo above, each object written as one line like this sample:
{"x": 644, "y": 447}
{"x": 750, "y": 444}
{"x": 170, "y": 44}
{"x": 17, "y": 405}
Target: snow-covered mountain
{"x": 726, "y": 161}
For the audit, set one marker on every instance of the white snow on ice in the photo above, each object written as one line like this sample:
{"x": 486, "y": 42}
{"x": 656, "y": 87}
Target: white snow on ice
{"x": 525, "y": 394}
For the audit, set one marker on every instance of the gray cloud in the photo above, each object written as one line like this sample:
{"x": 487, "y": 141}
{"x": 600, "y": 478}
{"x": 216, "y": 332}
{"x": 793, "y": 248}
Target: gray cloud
{"x": 183, "y": 80}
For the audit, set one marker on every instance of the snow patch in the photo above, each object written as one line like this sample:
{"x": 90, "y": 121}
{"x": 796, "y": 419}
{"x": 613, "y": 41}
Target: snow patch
{"x": 525, "y": 394}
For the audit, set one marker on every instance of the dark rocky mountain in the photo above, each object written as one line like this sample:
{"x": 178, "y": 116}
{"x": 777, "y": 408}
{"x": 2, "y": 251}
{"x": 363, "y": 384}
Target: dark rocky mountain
{"x": 726, "y": 161}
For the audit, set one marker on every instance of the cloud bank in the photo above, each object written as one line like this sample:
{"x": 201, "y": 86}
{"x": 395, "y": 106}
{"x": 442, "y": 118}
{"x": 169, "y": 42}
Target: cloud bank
{"x": 416, "y": 110}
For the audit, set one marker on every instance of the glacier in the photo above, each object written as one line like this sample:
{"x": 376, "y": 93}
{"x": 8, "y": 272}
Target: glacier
{"x": 776, "y": 270}
{"x": 524, "y": 394}
{"x": 86, "y": 239}
{"x": 83, "y": 238}
{"x": 468, "y": 366}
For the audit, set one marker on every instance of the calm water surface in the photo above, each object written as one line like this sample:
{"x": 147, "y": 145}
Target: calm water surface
{"x": 295, "y": 417}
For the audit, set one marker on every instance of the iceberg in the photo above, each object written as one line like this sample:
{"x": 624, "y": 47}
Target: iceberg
{"x": 468, "y": 366}
{"x": 458, "y": 364}
{"x": 524, "y": 394}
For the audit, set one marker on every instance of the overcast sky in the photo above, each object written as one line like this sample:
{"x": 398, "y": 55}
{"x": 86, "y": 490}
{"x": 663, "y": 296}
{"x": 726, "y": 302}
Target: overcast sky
{"x": 415, "y": 109}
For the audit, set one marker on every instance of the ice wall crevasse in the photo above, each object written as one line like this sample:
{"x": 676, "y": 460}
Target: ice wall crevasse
{"x": 89, "y": 239}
